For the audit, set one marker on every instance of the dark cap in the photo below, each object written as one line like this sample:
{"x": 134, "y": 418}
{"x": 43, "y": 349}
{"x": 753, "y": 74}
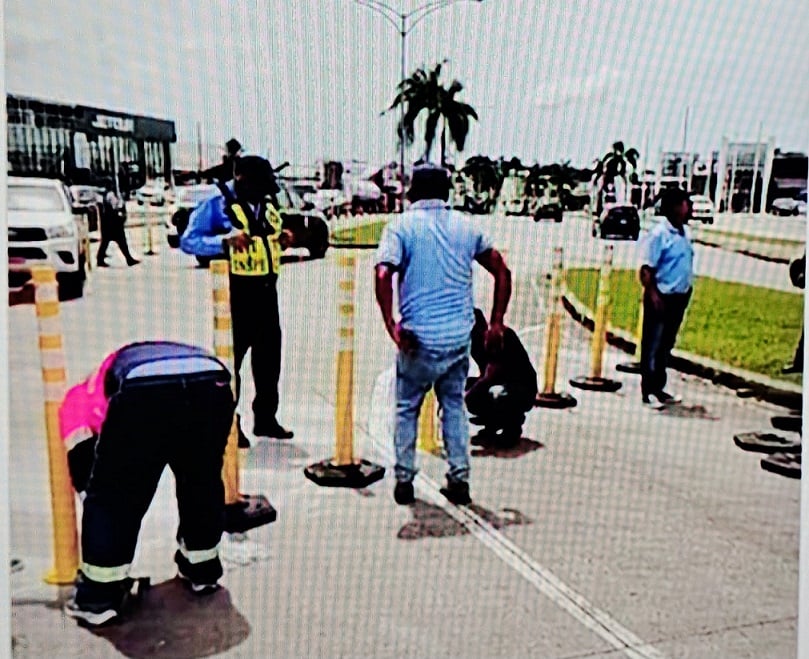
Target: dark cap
{"x": 233, "y": 146}
{"x": 258, "y": 171}
{"x": 429, "y": 181}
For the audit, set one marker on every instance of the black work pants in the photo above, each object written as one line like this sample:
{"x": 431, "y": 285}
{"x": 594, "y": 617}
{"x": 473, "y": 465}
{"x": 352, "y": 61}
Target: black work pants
{"x": 257, "y": 326}
{"x": 112, "y": 230}
{"x": 658, "y": 336}
{"x": 506, "y": 411}
{"x": 183, "y": 423}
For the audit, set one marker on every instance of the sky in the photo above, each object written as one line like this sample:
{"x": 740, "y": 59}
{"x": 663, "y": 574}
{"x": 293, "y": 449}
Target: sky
{"x": 304, "y": 80}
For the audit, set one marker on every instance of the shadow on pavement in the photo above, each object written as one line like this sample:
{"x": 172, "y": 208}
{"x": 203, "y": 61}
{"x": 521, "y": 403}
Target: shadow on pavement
{"x": 689, "y": 412}
{"x": 430, "y": 521}
{"x": 275, "y": 454}
{"x": 25, "y": 295}
{"x": 171, "y": 622}
{"x": 522, "y": 447}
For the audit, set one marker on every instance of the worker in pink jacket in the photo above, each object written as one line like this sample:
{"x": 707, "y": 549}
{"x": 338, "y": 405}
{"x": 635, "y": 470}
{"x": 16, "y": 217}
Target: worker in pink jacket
{"x": 148, "y": 405}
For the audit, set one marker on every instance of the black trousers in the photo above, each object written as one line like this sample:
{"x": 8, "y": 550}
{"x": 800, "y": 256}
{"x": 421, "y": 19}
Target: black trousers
{"x": 506, "y": 411}
{"x": 184, "y": 424}
{"x": 658, "y": 336}
{"x": 257, "y": 326}
{"x": 112, "y": 230}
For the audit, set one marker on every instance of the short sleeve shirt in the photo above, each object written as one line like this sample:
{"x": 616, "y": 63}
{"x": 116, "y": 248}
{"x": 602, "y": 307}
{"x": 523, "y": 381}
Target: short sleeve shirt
{"x": 671, "y": 254}
{"x": 433, "y": 249}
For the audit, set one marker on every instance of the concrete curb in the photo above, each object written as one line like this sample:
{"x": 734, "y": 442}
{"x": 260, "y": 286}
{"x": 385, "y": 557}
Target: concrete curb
{"x": 744, "y": 383}
{"x": 743, "y": 252}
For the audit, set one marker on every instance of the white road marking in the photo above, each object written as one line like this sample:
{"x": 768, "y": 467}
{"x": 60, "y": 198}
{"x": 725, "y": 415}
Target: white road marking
{"x": 596, "y": 620}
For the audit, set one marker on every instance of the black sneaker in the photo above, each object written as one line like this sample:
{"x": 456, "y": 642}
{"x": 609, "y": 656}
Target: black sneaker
{"x": 97, "y": 604}
{"x": 272, "y": 429}
{"x": 403, "y": 493}
{"x": 94, "y": 616}
{"x": 457, "y": 492}
{"x": 200, "y": 585}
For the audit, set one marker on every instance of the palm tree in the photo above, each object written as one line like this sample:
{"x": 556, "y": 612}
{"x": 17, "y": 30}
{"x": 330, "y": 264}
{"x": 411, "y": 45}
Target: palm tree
{"x": 620, "y": 164}
{"x": 423, "y": 91}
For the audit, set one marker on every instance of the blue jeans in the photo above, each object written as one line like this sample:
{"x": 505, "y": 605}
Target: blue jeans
{"x": 446, "y": 370}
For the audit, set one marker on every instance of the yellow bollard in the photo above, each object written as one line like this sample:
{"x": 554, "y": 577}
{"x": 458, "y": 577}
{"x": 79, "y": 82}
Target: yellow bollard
{"x": 595, "y": 381}
{"x": 549, "y": 397}
{"x": 223, "y": 349}
{"x": 344, "y": 469}
{"x": 147, "y": 226}
{"x": 428, "y": 438}
{"x": 54, "y": 378}
{"x": 634, "y": 366}
{"x": 344, "y": 395}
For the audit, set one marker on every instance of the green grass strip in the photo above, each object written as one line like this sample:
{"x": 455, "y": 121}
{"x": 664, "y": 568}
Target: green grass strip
{"x": 749, "y": 327}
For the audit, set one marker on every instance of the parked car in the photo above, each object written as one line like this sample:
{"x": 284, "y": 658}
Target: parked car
{"x": 703, "y": 209}
{"x": 308, "y": 226}
{"x": 45, "y": 228}
{"x": 92, "y": 198}
{"x": 153, "y": 193}
{"x": 187, "y": 198}
{"x": 790, "y": 206}
{"x": 617, "y": 220}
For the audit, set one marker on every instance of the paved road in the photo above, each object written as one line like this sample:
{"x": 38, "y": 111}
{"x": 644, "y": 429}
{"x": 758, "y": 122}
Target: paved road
{"x": 611, "y": 531}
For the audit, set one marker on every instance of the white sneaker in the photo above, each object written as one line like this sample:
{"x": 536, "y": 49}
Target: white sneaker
{"x": 653, "y": 402}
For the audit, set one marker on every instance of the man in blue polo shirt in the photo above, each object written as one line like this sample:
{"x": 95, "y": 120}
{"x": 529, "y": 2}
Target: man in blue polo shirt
{"x": 432, "y": 250}
{"x": 667, "y": 275}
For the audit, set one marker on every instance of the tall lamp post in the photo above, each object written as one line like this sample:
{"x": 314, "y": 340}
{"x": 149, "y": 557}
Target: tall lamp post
{"x": 404, "y": 22}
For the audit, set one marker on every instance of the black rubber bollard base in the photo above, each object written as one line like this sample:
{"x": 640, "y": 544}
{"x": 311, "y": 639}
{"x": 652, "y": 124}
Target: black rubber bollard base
{"x": 628, "y": 367}
{"x": 253, "y": 510}
{"x": 555, "y": 401}
{"x": 765, "y": 442}
{"x": 358, "y": 475}
{"x": 595, "y": 383}
{"x": 788, "y": 423}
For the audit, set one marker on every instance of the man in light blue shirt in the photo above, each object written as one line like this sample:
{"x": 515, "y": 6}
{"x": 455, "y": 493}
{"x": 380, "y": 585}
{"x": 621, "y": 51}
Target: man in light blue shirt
{"x": 432, "y": 250}
{"x": 667, "y": 275}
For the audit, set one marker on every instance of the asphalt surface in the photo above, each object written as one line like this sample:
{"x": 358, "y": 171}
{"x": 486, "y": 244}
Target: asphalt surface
{"x": 611, "y": 530}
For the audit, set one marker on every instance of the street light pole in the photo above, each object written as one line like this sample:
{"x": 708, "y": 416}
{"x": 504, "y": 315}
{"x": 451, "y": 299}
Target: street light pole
{"x": 400, "y": 21}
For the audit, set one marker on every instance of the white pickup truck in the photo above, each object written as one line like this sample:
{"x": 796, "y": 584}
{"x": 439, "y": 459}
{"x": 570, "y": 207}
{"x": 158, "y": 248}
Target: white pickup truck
{"x": 45, "y": 228}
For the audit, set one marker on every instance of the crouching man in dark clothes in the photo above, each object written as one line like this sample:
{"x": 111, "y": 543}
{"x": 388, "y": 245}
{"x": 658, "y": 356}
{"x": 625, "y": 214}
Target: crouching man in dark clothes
{"x": 505, "y": 391}
{"x": 148, "y": 405}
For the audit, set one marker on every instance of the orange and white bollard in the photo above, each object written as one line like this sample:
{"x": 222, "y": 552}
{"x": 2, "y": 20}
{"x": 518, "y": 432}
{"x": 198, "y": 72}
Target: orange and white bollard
{"x": 242, "y": 511}
{"x": 54, "y": 379}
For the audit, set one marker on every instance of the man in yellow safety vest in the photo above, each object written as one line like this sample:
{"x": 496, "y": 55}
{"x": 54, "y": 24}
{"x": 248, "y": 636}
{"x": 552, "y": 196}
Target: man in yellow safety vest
{"x": 243, "y": 222}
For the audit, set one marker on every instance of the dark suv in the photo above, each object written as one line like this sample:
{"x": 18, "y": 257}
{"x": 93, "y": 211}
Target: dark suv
{"x": 617, "y": 221}
{"x": 308, "y": 226}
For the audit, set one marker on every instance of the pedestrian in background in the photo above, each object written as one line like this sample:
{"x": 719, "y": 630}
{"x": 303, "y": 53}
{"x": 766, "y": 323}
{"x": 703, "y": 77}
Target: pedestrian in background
{"x": 667, "y": 276}
{"x": 113, "y": 219}
{"x": 242, "y": 223}
{"x": 431, "y": 250}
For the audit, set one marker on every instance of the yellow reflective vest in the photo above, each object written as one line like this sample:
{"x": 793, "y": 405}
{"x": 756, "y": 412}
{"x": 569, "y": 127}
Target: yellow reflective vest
{"x": 264, "y": 252}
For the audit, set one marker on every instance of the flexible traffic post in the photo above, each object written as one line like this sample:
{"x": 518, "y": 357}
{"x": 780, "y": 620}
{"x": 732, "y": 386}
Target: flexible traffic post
{"x": 595, "y": 381}
{"x": 428, "y": 439}
{"x": 223, "y": 349}
{"x": 54, "y": 379}
{"x": 549, "y": 397}
{"x": 344, "y": 469}
{"x": 242, "y": 511}
{"x": 634, "y": 366}
{"x": 148, "y": 240}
